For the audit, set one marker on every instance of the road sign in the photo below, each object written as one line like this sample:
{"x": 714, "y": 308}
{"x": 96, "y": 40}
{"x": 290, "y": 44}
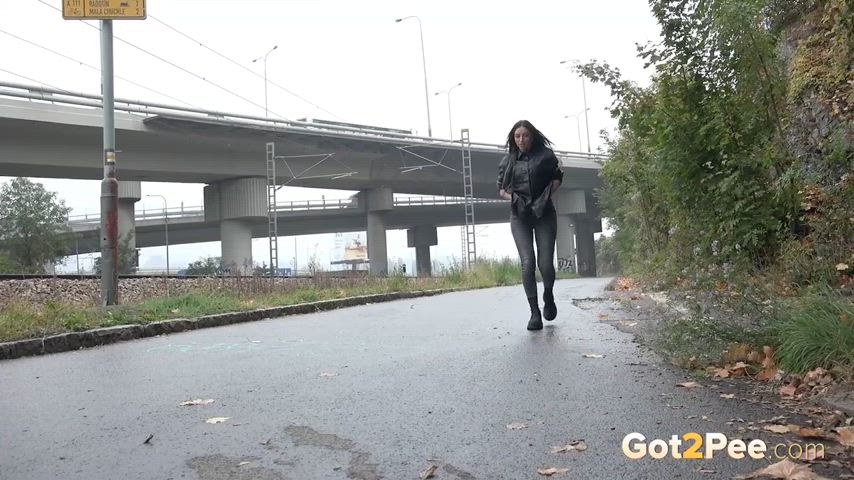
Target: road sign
{"x": 103, "y": 9}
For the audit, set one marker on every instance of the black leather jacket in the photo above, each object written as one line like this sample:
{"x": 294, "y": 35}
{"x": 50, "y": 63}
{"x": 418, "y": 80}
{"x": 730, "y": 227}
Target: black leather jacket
{"x": 532, "y": 192}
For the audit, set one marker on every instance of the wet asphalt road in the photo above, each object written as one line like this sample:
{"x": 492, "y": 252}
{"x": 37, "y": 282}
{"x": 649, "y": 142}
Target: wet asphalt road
{"x": 378, "y": 391}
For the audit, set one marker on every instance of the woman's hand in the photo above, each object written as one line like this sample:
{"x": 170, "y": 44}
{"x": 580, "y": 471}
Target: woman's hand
{"x": 555, "y": 185}
{"x": 505, "y": 195}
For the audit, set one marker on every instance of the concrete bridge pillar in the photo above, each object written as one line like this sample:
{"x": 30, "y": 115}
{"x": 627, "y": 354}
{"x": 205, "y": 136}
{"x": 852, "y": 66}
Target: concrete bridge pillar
{"x": 235, "y": 203}
{"x": 377, "y": 201}
{"x": 129, "y": 194}
{"x": 584, "y": 230}
{"x": 565, "y": 244}
{"x": 422, "y": 237}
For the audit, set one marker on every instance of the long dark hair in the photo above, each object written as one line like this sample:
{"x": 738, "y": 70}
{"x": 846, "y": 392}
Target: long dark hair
{"x": 538, "y": 140}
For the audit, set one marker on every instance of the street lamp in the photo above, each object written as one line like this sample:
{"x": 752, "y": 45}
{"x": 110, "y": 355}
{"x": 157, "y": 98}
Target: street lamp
{"x": 577, "y": 126}
{"x": 166, "y": 219}
{"x": 450, "y": 121}
{"x": 424, "y": 68}
{"x": 265, "y": 76}
{"x": 584, "y": 93}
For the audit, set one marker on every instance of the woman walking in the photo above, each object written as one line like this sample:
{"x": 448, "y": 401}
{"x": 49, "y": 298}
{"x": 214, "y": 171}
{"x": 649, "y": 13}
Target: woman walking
{"x": 528, "y": 176}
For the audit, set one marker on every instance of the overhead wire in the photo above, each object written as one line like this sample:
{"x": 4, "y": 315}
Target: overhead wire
{"x": 168, "y": 62}
{"x": 244, "y": 67}
{"x": 80, "y": 62}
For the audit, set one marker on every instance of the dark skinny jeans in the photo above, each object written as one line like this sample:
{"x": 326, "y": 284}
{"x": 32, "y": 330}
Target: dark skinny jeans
{"x": 545, "y": 231}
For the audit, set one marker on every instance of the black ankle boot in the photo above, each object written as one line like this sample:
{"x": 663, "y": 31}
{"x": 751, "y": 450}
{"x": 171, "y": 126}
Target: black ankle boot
{"x": 549, "y": 308}
{"x": 536, "y": 321}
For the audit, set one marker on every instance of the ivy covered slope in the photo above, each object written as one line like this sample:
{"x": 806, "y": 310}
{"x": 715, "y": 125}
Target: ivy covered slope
{"x": 733, "y": 172}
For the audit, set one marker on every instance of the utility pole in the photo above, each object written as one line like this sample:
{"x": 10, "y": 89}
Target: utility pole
{"x": 109, "y": 184}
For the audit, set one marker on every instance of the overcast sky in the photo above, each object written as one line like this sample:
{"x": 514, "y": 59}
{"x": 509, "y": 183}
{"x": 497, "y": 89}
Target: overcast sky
{"x": 352, "y": 61}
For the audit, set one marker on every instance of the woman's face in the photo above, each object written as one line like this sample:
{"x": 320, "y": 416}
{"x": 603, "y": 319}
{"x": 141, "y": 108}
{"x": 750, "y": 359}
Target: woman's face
{"x": 523, "y": 139}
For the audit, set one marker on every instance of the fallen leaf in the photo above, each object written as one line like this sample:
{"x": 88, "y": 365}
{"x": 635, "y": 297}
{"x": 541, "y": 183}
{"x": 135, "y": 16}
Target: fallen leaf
{"x": 689, "y": 385}
{"x": 728, "y": 395}
{"x": 215, "y": 420}
{"x": 197, "y": 401}
{"x": 721, "y": 372}
{"x": 842, "y": 267}
{"x": 806, "y": 432}
{"x": 788, "y": 391}
{"x": 517, "y": 426}
{"x": 242, "y": 464}
{"x": 429, "y": 472}
{"x": 785, "y": 470}
{"x": 148, "y": 439}
{"x": 767, "y": 374}
{"x": 328, "y": 375}
{"x": 777, "y": 428}
{"x": 548, "y": 472}
{"x": 577, "y": 445}
{"x": 592, "y": 355}
{"x": 846, "y": 436}
{"x": 603, "y": 316}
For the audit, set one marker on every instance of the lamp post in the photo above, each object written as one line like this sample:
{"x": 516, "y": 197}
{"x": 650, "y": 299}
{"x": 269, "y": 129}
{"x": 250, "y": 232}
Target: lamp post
{"x": 166, "y": 220}
{"x": 577, "y": 127}
{"x": 424, "y": 68}
{"x": 584, "y": 94}
{"x": 450, "y": 119}
{"x": 265, "y": 75}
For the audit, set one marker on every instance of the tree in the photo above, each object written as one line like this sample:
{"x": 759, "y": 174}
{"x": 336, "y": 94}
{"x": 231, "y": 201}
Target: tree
{"x": 206, "y": 266}
{"x": 33, "y": 229}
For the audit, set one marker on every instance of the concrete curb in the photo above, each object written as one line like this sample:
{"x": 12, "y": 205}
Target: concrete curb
{"x": 103, "y": 336}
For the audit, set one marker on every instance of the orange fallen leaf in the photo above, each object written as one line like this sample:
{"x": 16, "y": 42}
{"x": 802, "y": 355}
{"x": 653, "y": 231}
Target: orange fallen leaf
{"x": 548, "y": 472}
{"x": 689, "y": 385}
{"x": 846, "y": 436}
{"x": 788, "y": 391}
{"x": 806, "y": 432}
{"x": 767, "y": 374}
{"x": 777, "y": 428}
{"x": 722, "y": 372}
{"x": 785, "y": 470}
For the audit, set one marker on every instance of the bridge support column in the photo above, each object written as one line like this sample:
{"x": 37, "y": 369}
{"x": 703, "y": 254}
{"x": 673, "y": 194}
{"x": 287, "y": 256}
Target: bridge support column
{"x": 129, "y": 194}
{"x": 584, "y": 230}
{"x": 565, "y": 244}
{"x": 377, "y": 202}
{"x": 422, "y": 237}
{"x": 235, "y": 203}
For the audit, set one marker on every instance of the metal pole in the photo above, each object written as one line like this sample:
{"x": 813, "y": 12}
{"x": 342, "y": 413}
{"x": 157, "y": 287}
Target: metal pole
{"x": 586, "y": 124}
{"x": 424, "y": 68}
{"x": 109, "y": 184}
{"x": 450, "y": 124}
{"x": 266, "y": 112}
{"x": 166, "y": 215}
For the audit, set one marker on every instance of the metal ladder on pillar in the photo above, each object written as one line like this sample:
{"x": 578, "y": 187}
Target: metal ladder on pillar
{"x": 272, "y": 218}
{"x": 468, "y": 194}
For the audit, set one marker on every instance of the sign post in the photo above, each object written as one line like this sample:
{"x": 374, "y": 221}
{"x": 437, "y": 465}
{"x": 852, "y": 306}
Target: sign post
{"x": 106, "y": 11}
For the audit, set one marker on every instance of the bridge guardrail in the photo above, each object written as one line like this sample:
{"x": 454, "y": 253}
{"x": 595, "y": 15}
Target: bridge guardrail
{"x": 150, "y": 109}
{"x": 292, "y": 206}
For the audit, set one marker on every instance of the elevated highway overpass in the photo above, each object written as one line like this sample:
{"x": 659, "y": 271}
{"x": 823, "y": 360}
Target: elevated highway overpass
{"x": 48, "y": 132}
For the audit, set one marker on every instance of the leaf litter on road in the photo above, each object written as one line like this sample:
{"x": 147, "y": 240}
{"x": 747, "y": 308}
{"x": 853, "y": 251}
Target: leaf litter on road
{"x": 785, "y": 470}
{"x": 215, "y": 420}
{"x": 328, "y": 375}
{"x": 689, "y": 385}
{"x": 429, "y": 472}
{"x": 592, "y": 355}
{"x": 548, "y": 472}
{"x": 197, "y": 401}
{"x": 573, "y": 446}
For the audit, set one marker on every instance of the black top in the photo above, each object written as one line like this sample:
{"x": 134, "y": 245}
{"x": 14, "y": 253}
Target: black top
{"x": 529, "y": 181}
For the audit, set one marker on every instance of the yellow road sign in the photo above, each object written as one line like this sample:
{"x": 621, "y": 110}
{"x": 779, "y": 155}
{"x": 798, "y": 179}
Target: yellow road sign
{"x": 103, "y": 9}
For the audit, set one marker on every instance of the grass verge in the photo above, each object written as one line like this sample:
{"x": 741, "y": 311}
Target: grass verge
{"x": 20, "y": 321}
